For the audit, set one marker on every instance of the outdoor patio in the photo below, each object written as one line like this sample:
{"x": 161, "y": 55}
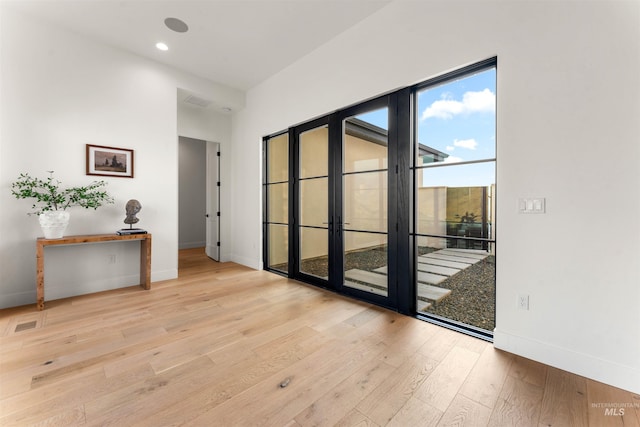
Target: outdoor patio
{"x": 458, "y": 284}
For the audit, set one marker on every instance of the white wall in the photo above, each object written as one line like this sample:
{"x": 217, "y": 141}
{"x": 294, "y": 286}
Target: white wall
{"x": 61, "y": 91}
{"x": 568, "y": 108}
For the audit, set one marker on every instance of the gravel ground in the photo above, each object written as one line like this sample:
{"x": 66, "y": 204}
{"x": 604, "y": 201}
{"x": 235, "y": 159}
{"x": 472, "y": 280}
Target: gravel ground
{"x": 472, "y": 298}
{"x": 369, "y": 260}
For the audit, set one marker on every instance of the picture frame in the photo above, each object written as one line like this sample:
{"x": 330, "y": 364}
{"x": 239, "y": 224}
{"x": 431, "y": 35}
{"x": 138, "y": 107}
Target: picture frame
{"x": 109, "y": 161}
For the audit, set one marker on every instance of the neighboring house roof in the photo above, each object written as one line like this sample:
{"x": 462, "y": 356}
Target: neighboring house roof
{"x": 372, "y": 133}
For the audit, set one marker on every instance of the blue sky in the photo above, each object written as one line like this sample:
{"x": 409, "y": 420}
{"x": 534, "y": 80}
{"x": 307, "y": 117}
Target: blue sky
{"x": 457, "y": 118}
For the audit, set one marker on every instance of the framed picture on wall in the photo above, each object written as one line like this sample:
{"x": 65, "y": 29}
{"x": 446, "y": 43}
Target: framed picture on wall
{"x": 109, "y": 161}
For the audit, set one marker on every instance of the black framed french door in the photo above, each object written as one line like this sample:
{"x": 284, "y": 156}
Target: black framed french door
{"x": 311, "y": 197}
{"x": 365, "y": 214}
{"x": 344, "y": 219}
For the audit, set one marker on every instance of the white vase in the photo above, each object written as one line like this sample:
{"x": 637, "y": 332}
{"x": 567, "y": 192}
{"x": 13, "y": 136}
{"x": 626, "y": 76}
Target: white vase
{"x": 53, "y": 223}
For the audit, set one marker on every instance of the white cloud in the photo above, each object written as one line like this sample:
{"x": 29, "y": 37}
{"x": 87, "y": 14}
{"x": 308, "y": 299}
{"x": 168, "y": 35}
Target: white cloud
{"x": 470, "y": 144}
{"x": 484, "y": 101}
{"x": 450, "y": 148}
{"x": 442, "y": 109}
{"x": 472, "y": 102}
{"x": 452, "y": 159}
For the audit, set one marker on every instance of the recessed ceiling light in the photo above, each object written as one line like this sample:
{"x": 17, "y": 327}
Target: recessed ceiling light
{"x": 176, "y": 25}
{"x": 162, "y": 46}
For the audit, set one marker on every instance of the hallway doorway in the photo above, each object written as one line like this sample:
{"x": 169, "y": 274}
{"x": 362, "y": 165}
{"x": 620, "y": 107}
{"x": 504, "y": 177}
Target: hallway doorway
{"x": 199, "y": 196}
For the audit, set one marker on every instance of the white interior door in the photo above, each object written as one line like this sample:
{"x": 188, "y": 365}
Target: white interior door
{"x": 212, "y": 248}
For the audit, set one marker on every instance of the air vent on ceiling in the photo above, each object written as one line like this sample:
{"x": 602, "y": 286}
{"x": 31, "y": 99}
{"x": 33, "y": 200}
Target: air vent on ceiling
{"x": 200, "y": 102}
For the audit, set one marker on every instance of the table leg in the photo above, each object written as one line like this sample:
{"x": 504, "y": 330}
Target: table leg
{"x": 145, "y": 262}
{"x": 40, "y": 276}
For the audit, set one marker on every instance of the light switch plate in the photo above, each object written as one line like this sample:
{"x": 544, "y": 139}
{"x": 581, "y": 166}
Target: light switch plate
{"x": 532, "y": 205}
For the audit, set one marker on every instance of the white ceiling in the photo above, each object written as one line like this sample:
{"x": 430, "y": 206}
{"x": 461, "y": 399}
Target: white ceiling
{"x": 238, "y": 43}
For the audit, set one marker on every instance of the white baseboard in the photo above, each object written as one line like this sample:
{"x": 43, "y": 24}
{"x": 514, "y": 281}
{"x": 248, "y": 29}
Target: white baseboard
{"x": 249, "y": 262}
{"x": 158, "y": 276}
{"x": 192, "y": 245}
{"x": 18, "y": 299}
{"x": 617, "y": 375}
{"x": 70, "y": 289}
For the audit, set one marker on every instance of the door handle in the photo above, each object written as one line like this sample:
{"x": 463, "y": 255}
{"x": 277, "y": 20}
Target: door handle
{"x": 330, "y": 224}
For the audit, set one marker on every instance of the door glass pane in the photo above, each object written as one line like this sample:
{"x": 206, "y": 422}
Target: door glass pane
{"x": 457, "y": 200}
{"x": 314, "y": 202}
{"x": 365, "y": 201}
{"x": 366, "y": 142}
{"x": 314, "y": 160}
{"x": 278, "y": 158}
{"x": 313, "y": 197}
{"x": 278, "y": 247}
{"x": 457, "y": 281}
{"x": 278, "y": 202}
{"x": 457, "y": 120}
{"x": 365, "y": 262}
{"x": 314, "y": 252}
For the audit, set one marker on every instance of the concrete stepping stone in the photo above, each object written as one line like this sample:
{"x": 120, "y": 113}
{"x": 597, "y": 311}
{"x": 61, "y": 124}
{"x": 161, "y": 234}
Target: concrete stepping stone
{"x": 431, "y": 278}
{"x": 432, "y": 293}
{"x": 454, "y": 258}
{"x": 365, "y": 288}
{"x": 429, "y": 268}
{"x": 463, "y": 254}
{"x": 367, "y": 277}
{"x": 445, "y": 271}
{"x": 422, "y": 305}
{"x": 469, "y": 251}
{"x": 426, "y": 259}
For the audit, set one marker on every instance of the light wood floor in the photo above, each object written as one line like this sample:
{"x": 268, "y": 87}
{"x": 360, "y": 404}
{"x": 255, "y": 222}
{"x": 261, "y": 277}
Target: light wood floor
{"x": 226, "y": 345}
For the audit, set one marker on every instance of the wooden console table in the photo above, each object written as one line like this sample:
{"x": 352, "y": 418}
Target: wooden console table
{"x": 145, "y": 256}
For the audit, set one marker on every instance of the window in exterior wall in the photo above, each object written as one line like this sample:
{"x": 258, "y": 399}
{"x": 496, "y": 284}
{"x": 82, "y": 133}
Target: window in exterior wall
{"x": 276, "y": 195}
{"x": 455, "y": 187}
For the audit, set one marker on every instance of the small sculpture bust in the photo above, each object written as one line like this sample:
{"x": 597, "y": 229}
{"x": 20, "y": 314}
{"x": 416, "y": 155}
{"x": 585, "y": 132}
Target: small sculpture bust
{"x": 132, "y": 208}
